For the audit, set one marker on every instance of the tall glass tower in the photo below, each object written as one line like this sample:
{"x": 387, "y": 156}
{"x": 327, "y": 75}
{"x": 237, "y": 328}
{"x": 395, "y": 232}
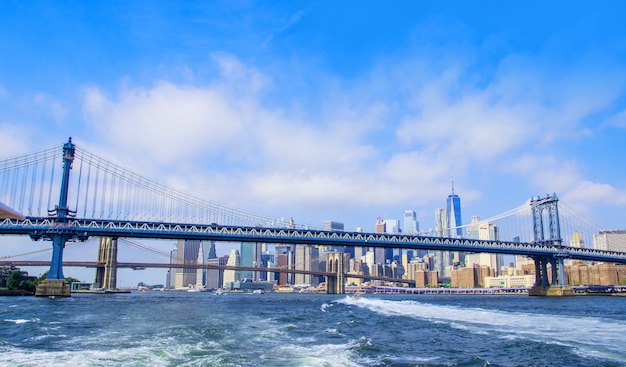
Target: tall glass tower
{"x": 454, "y": 213}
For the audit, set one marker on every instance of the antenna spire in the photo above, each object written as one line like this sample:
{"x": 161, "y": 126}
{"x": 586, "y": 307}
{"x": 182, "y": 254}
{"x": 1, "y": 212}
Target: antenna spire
{"x": 452, "y": 184}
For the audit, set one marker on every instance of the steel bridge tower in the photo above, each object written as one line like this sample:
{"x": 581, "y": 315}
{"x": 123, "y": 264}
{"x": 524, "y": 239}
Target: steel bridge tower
{"x": 55, "y": 284}
{"x": 548, "y": 283}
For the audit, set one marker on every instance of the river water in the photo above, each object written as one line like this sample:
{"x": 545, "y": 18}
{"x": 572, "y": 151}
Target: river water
{"x": 203, "y": 329}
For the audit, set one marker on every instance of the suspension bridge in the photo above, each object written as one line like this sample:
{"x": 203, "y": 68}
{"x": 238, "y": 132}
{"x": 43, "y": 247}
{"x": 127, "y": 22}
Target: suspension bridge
{"x": 97, "y": 198}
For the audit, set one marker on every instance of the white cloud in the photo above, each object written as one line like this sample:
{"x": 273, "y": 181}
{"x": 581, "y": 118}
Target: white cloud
{"x": 390, "y": 138}
{"x": 551, "y": 174}
{"x": 51, "y": 106}
{"x": 14, "y": 139}
{"x": 618, "y": 120}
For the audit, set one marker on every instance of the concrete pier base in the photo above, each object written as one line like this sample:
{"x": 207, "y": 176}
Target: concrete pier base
{"x": 551, "y": 291}
{"x": 53, "y": 287}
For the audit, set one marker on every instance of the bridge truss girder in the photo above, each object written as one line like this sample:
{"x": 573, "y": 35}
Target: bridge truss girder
{"x": 81, "y": 229}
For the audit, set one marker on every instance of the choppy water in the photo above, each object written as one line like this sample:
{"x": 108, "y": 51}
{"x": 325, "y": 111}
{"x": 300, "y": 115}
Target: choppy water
{"x": 201, "y": 329}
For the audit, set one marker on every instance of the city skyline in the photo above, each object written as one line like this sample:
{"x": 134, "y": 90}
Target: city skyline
{"x": 329, "y": 111}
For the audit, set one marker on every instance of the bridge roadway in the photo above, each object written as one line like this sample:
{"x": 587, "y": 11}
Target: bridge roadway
{"x": 137, "y": 266}
{"x": 81, "y": 229}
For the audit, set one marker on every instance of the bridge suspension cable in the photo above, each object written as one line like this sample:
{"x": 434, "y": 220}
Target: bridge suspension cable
{"x": 100, "y": 189}
{"x": 107, "y": 190}
{"x": 143, "y": 247}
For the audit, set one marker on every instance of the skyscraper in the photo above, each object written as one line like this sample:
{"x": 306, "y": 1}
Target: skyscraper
{"x": 442, "y": 259}
{"x": 379, "y": 252}
{"x": 392, "y": 226}
{"x": 231, "y": 276}
{"x": 184, "y": 252}
{"x": 410, "y": 223}
{"x": 453, "y": 208}
{"x": 307, "y": 258}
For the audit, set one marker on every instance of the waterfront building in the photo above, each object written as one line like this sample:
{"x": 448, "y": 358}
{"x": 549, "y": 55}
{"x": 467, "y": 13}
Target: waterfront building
{"x": 413, "y": 266}
{"x": 214, "y": 278}
{"x": 483, "y": 231}
{"x": 470, "y": 277}
{"x": 379, "y": 252}
{"x": 250, "y": 255}
{"x": 307, "y": 258}
{"x": 598, "y": 274}
{"x": 442, "y": 259}
{"x": 200, "y": 281}
{"x": 370, "y": 260}
{"x": 397, "y": 270}
{"x": 611, "y": 240}
{"x": 425, "y": 278}
{"x": 510, "y": 281}
{"x": 392, "y": 226}
{"x": 184, "y": 252}
{"x": 285, "y": 261}
{"x": 404, "y": 258}
{"x": 232, "y": 276}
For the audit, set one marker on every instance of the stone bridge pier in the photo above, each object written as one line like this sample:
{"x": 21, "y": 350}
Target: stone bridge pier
{"x": 335, "y": 284}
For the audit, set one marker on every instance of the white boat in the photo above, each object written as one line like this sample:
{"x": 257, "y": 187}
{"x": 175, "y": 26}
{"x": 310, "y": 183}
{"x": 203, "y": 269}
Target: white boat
{"x": 219, "y": 292}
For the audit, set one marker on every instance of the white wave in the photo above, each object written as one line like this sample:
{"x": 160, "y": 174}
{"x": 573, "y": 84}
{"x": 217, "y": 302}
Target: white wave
{"x": 18, "y": 321}
{"x": 599, "y": 336}
{"x": 141, "y": 356}
{"x": 323, "y": 355}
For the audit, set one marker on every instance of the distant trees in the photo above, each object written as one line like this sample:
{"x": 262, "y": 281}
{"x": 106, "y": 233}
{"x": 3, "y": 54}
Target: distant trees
{"x": 16, "y": 281}
{"x": 13, "y": 282}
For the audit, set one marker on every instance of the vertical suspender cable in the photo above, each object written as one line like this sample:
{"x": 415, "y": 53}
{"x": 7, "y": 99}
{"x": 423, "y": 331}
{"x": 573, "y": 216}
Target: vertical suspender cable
{"x": 41, "y": 185}
{"x": 112, "y": 193}
{"x": 80, "y": 176}
{"x": 14, "y": 175}
{"x": 104, "y": 190}
{"x": 87, "y": 188}
{"x": 121, "y": 198}
{"x": 24, "y": 177}
{"x": 54, "y": 161}
{"x": 32, "y": 188}
{"x": 95, "y": 190}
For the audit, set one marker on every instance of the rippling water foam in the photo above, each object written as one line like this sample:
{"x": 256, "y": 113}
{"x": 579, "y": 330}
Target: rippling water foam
{"x": 590, "y": 336}
{"x": 307, "y": 330}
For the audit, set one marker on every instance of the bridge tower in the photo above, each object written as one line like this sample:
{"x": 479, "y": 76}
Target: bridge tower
{"x": 106, "y": 274}
{"x": 334, "y": 264}
{"x": 548, "y": 283}
{"x": 55, "y": 284}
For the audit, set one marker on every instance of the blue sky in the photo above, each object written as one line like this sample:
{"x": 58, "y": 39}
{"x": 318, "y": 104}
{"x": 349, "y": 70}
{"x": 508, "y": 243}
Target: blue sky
{"x": 343, "y": 110}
